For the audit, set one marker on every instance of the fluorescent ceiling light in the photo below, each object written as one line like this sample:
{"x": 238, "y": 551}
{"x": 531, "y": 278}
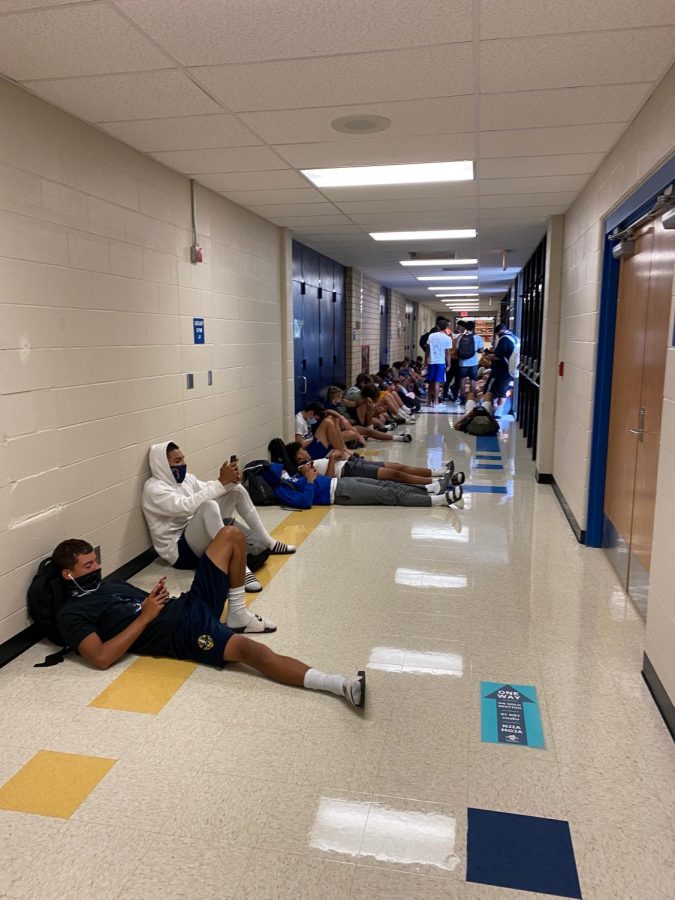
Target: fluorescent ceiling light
{"x": 438, "y": 262}
{"x": 439, "y": 235}
{"x": 453, "y": 287}
{"x": 446, "y": 277}
{"x": 415, "y": 173}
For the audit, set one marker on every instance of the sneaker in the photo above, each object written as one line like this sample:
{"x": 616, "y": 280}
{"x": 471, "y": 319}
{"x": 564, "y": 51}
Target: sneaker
{"x": 255, "y": 625}
{"x": 406, "y": 438}
{"x": 251, "y": 584}
{"x": 446, "y": 482}
{"x": 354, "y": 690}
{"x": 450, "y": 466}
{"x": 454, "y": 496}
{"x": 458, "y": 478}
{"x": 279, "y": 548}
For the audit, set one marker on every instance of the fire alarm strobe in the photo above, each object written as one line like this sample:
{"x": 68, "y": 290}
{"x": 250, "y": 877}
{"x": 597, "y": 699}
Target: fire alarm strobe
{"x": 196, "y": 254}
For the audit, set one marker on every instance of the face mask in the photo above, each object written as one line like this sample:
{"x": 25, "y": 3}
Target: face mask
{"x": 312, "y": 421}
{"x": 179, "y": 473}
{"x": 88, "y": 583}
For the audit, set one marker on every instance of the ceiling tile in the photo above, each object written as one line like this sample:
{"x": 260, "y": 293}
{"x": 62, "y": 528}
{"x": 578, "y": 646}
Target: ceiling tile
{"x": 402, "y": 191}
{"x": 336, "y": 234}
{"x": 557, "y": 183}
{"x": 362, "y": 78}
{"x": 277, "y": 179}
{"x": 259, "y": 198}
{"x": 215, "y": 32}
{"x": 393, "y": 206}
{"x": 233, "y": 159}
{"x": 565, "y": 106}
{"x": 380, "y": 151}
{"x": 183, "y": 133}
{"x": 528, "y": 17}
{"x": 295, "y": 209}
{"x": 74, "y": 40}
{"x": 294, "y": 126}
{"x": 520, "y": 212}
{"x": 522, "y": 64}
{"x": 554, "y": 141}
{"x": 141, "y": 95}
{"x": 319, "y": 221}
{"x": 495, "y": 201}
{"x": 524, "y": 166}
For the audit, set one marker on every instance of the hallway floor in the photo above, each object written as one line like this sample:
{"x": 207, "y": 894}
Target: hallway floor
{"x": 237, "y": 787}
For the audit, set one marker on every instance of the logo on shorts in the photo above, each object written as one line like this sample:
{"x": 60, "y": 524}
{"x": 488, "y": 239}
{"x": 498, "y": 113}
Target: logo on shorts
{"x": 205, "y": 642}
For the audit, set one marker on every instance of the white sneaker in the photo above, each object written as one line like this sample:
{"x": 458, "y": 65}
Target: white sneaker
{"x": 354, "y": 690}
{"x": 254, "y": 625}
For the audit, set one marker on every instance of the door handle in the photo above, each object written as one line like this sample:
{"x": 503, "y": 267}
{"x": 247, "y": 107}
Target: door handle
{"x": 303, "y": 388}
{"x": 640, "y": 430}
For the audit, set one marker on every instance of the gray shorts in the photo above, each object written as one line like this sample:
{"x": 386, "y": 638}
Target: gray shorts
{"x": 361, "y": 468}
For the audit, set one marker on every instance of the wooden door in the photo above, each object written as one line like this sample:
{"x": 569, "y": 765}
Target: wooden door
{"x": 651, "y": 399}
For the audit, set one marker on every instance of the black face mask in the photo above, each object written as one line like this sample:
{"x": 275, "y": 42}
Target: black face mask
{"x": 179, "y": 473}
{"x": 88, "y": 583}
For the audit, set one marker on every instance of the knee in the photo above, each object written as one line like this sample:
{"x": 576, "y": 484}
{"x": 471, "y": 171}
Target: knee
{"x": 230, "y": 534}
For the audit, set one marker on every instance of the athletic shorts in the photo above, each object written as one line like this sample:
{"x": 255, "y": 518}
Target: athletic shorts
{"x": 436, "y": 372}
{"x": 187, "y": 558}
{"x": 199, "y": 634}
{"x": 317, "y": 450}
{"x": 468, "y": 371}
{"x": 498, "y": 386}
{"x": 360, "y": 468}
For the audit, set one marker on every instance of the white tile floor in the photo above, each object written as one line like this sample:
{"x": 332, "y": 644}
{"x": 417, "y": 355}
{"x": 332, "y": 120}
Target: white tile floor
{"x": 244, "y": 788}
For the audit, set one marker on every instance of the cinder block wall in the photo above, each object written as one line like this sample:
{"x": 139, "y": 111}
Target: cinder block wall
{"x": 97, "y": 297}
{"x": 362, "y": 303}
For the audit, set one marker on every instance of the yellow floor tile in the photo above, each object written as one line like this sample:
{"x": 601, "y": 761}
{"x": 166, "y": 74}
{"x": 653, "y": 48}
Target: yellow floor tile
{"x": 146, "y": 686}
{"x": 295, "y": 529}
{"x": 54, "y": 784}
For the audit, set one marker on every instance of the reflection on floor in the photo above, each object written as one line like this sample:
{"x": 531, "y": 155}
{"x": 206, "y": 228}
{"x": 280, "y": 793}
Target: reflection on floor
{"x": 237, "y": 787}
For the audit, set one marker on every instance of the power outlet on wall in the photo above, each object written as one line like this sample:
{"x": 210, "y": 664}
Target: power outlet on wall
{"x": 190, "y": 381}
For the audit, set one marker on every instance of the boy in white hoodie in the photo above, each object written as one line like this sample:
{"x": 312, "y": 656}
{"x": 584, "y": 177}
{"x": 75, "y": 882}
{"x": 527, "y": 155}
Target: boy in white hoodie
{"x": 185, "y": 514}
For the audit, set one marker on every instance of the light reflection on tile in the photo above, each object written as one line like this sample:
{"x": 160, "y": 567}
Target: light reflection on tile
{"x": 398, "y": 659}
{"x": 419, "y": 578}
{"x": 439, "y": 533}
{"x": 410, "y": 837}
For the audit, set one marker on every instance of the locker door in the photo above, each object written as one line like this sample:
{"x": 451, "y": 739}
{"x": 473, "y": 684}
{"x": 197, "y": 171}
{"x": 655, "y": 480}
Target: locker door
{"x": 339, "y": 336}
{"x": 310, "y": 342}
{"x": 298, "y": 329}
{"x": 326, "y": 365}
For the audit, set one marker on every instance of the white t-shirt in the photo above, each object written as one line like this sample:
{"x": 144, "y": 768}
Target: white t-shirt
{"x": 321, "y": 466}
{"x": 439, "y": 342}
{"x": 302, "y": 426}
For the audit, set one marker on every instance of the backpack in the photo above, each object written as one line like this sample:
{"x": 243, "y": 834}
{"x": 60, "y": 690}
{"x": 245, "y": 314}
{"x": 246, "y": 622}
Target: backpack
{"x": 481, "y": 423}
{"x": 466, "y": 346}
{"x": 45, "y": 597}
{"x": 259, "y": 490}
{"x": 514, "y": 359}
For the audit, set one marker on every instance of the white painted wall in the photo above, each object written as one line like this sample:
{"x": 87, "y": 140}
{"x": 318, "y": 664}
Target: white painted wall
{"x": 97, "y": 296}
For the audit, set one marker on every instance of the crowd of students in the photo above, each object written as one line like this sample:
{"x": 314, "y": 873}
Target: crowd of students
{"x": 214, "y": 528}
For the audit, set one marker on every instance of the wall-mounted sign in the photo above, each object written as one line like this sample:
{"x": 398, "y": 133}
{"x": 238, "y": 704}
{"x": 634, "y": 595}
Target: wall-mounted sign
{"x": 198, "y": 330}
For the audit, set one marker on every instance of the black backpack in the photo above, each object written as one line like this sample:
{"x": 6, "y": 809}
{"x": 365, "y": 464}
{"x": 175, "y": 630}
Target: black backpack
{"x": 466, "y": 346}
{"x": 46, "y": 595}
{"x": 260, "y": 492}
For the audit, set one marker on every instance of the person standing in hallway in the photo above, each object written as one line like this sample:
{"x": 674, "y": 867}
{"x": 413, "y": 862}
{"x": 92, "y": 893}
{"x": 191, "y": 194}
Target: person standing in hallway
{"x": 502, "y": 369}
{"x": 469, "y": 346}
{"x": 185, "y": 514}
{"x": 440, "y": 358}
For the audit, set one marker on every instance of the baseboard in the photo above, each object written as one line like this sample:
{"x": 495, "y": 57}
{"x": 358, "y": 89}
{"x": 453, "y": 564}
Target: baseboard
{"x": 579, "y": 533}
{"x": 543, "y": 477}
{"x": 663, "y": 702}
{"x": 25, "y": 639}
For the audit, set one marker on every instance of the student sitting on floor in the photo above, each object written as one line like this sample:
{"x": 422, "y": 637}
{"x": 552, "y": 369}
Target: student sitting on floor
{"x": 369, "y": 416}
{"x": 103, "y": 620}
{"x": 185, "y": 514}
{"x": 335, "y": 402}
{"x": 308, "y": 488}
{"x": 323, "y": 431}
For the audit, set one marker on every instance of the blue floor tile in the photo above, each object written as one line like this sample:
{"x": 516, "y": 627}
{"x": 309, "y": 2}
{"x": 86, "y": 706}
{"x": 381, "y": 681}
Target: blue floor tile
{"x": 484, "y": 489}
{"x": 488, "y": 466}
{"x": 521, "y": 852}
{"x": 487, "y": 443}
{"x": 488, "y": 456}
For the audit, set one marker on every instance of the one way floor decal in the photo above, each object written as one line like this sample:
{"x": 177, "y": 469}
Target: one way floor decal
{"x": 510, "y": 714}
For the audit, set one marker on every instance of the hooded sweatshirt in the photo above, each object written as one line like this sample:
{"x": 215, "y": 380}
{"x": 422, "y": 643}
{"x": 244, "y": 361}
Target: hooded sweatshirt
{"x": 169, "y": 506}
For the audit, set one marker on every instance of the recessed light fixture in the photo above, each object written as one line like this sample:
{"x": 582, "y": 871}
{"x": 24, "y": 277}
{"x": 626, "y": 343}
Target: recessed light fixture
{"x": 447, "y": 277}
{"x": 438, "y": 235}
{"x": 361, "y": 123}
{"x": 453, "y": 287}
{"x": 365, "y": 176}
{"x": 438, "y": 262}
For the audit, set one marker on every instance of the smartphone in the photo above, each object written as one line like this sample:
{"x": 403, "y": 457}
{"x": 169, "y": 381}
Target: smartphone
{"x": 233, "y": 458}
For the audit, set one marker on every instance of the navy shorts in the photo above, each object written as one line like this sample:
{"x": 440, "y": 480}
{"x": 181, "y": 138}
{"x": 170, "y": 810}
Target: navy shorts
{"x": 187, "y": 558}
{"x": 436, "y": 372}
{"x": 316, "y": 449}
{"x": 199, "y": 634}
{"x": 498, "y": 386}
{"x": 468, "y": 372}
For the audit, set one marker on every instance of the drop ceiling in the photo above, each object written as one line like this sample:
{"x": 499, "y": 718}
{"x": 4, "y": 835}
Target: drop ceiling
{"x": 240, "y": 95}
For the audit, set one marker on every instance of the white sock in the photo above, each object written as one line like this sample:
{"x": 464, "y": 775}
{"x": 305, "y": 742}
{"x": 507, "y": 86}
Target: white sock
{"x": 470, "y": 404}
{"x": 438, "y": 500}
{"x": 433, "y": 488}
{"x": 319, "y": 681}
{"x": 237, "y": 614}
{"x": 438, "y": 473}
{"x": 487, "y": 404}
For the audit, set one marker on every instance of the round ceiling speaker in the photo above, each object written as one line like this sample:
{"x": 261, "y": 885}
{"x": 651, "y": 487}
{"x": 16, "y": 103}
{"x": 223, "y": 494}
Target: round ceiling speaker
{"x": 360, "y": 124}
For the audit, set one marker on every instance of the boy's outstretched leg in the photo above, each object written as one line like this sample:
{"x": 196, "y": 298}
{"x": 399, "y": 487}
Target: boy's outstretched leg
{"x": 291, "y": 671}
